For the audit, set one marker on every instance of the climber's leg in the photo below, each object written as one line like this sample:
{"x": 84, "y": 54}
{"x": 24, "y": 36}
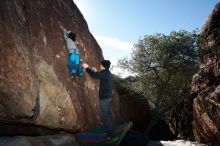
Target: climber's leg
{"x": 71, "y": 67}
{"x": 106, "y": 116}
{"x": 78, "y": 68}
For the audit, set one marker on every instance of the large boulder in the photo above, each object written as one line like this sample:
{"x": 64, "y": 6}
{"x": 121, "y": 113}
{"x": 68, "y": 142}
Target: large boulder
{"x": 206, "y": 85}
{"x": 35, "y": 85}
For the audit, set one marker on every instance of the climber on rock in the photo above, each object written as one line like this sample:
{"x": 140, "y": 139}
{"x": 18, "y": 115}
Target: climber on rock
{"x": 105, "y": 93}
{"x": 74, "y": 56}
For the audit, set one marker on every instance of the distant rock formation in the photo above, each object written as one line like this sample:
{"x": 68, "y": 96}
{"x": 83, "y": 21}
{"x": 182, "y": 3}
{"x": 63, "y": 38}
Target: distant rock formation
{"x": 206, "y": 85}
{"x": 138, "y": 109}
{"x": 35, "y": 86}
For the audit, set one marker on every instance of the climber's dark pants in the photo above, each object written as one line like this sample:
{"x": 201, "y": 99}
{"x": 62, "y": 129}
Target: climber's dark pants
{"x": 74, "y": 64}
{"x": 106, "y": 116}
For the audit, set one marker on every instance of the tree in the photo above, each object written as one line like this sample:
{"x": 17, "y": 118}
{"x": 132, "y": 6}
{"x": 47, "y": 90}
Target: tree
{"x": 164, "y": 65}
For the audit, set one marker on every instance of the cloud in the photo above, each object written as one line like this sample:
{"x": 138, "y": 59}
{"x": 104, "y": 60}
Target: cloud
{"x": 121, "y": 72}
{"x": 113, "y": 50}
{"x": 114, "y": 43}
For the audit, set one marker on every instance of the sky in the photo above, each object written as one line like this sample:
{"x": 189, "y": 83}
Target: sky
{"x": 118, "y": 24}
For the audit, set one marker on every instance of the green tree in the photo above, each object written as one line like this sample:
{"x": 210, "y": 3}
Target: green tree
{"x": 164, "y": 65}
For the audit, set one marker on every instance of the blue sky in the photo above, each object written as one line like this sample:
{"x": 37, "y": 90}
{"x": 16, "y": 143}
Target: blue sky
{"x": 118, "y": 24}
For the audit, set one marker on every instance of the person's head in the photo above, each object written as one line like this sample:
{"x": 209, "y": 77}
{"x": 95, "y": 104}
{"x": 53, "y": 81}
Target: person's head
{"x": 105, "y": 64}
{"x": 72, "y": 36}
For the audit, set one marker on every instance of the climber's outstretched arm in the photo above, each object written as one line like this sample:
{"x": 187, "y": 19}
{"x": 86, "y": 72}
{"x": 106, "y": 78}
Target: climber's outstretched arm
{"x": 96, "y": 75}
{"x": 65, "y": 35}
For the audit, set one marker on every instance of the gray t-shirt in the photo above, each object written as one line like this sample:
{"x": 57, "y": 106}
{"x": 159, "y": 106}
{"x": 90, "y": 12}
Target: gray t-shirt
{"x": 71, "y": 45}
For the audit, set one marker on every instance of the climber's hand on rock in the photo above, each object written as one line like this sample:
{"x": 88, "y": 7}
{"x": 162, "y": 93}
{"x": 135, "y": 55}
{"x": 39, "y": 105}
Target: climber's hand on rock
{"x": 61, "y": 27}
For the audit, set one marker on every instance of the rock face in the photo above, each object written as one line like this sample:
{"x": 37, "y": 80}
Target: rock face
{"x": 206, "y": 85}
{"x": 134, "y": 106}
{"x": 35, "y": 86}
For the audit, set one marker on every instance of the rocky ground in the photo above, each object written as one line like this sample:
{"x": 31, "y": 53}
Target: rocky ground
{"x": 69, "y": 140}
{"x": 50, "y": 140}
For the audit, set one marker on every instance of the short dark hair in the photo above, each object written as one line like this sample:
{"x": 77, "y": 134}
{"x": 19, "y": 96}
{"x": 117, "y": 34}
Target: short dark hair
{"x": 72, "y": 36}
{"x": 106, "y": 64}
